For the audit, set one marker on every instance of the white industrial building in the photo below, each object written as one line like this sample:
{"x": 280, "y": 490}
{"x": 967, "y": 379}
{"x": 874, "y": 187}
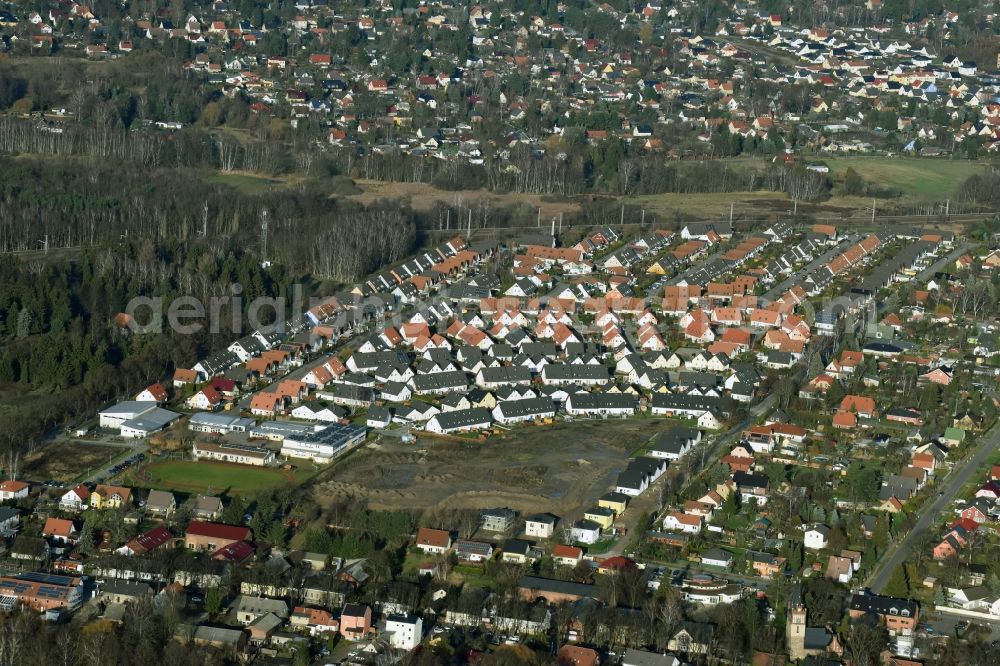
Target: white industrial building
{"x": 323, "y": 444}
{"x": 135, "y": 419}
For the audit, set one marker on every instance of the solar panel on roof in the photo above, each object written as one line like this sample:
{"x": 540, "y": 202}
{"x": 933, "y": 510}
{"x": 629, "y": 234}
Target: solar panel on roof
{"x": 41, "y": 577}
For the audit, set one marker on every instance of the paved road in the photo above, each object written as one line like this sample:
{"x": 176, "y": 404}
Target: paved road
{"x": 825, "y": 258}
{"x": 961, "y": 474}
{"x": 900, "y": 551}
{"x": 702, "y": 454}
{"x": 940, "y": 264}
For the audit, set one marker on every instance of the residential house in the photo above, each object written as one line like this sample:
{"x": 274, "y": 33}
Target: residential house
{"x": 540, "y": 525}
{"x": 586, "y": 531}
{"x": 13, "y": 490}
{"x": 207, "y": 536}
{"x": 405, "y": 631}
{"x": 568, "y": 556}
{"x": 60, "y": 531}
{"x": 160, "y": 503}
{"x": 473, "y": 551}
{"x": 110, "y": 497}
{"x": 436, "y": 542}
{"x": 355, "y": 622}
{"x": 817, "y": 537}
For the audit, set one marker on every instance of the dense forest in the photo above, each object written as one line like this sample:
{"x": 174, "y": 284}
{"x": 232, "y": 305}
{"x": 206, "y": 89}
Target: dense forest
{"x": 61, "y": 354}
{"x": 97, "y": 202}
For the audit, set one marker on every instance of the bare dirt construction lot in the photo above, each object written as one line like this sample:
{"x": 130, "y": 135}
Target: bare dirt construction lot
{"x": 560, "y": 468}
{"x": 65, "y": 460}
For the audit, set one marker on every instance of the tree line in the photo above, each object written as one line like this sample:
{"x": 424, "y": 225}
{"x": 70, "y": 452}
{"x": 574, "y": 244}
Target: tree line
{"x": 73, "y": 203}
{"x": 62, "y": 354}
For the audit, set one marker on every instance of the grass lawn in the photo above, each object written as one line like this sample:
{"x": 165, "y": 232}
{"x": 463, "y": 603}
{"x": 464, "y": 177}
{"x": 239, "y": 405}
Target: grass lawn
{"x": 191, "y": 476}
{"x": 926, "y": 179}
{"x": 598, "y": 547}
{"x": 472, "y": 576}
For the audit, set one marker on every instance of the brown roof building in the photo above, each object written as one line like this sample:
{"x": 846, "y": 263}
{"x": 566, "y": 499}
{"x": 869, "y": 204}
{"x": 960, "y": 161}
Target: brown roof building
{"x": 213, "y": 536}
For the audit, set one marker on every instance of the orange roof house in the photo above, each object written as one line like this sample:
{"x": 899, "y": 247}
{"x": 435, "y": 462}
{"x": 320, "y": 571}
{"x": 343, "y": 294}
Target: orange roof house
{"x": 11, "y": 489}
{"x": 154, "y": 392}
{"x": 184, "y": 376}
{"x": 292, "y": 389}
{"x": 266, "y": 404}
{"x": 562, "y": 552}
{"x": 59, "y": 528}
{"x": 845, "y": 420}
{"x": 859, "y": 404}
{"x": 260, "y": 366}
{"x": 433, "y": 541}
{"x": 575, "y": 655}
{"x": 737, "y": 336}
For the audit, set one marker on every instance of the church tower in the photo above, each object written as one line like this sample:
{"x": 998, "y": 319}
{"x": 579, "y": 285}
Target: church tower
{"x": 796, "y": 629}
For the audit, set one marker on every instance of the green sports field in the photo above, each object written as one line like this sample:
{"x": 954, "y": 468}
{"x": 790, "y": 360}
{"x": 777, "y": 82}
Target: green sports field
{"x": 191, "y": 476}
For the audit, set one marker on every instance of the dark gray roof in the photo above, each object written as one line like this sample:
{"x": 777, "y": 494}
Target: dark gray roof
{"x": 576, "y": 372}
{"x": 685, "y": 401}
{"x": 602, "y": 401}
{"x": 518, "y": 546}
{"x": 717, "y": 554}
{"x": 557, "y": 586}
{"x": 526, "y": 407}
{"x": 126, "y": 587}
{"x": 816, "y": 638}
{"x": 440, "y": 380}
{"x": 509, "y": 375}
{"x": 473, "y": 547}
{"x": 463, "y": 417}
{"x": 349, "y": 392}
{"x": 880, "y": 605}
{"x": 746, "y": 480}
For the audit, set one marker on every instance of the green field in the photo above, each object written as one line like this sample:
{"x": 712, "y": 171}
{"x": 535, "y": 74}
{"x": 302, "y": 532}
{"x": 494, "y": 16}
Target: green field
{"x": 924, "y": 179}
{"x": 191, "y": 476}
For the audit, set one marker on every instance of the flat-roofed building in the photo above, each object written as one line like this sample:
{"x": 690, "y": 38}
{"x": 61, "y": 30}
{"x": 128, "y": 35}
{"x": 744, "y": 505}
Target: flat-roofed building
{"x": 233, "y": 453}
{"x": 218, "y": 424}
{"x": 324, "y": 444}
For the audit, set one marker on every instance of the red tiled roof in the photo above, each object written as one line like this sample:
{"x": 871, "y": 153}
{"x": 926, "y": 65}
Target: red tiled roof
{"x": 218, "y": 530}
{"x": 58, "y": 527}
{"x": 234, "y": 552}
{"x": 561, "y": 550}
{"x": 13, "y": 486}
{"x": 152, "y": 539}
{"x": 427, "y": 536}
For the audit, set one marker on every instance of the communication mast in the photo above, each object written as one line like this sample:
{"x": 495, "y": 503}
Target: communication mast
{"x": 263, "y": 239}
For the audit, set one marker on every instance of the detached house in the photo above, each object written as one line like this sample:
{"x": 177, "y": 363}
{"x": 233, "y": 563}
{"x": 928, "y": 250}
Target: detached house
{"x": 110, "y": 497}
{"x": 206, "y": 399}
{"x": 60, "y": 530}
{"x": 13, "y": 490}
{"x": 75, "y": 499}
{"x": 433, "y": 541}
{"x": 682, "y": 522}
